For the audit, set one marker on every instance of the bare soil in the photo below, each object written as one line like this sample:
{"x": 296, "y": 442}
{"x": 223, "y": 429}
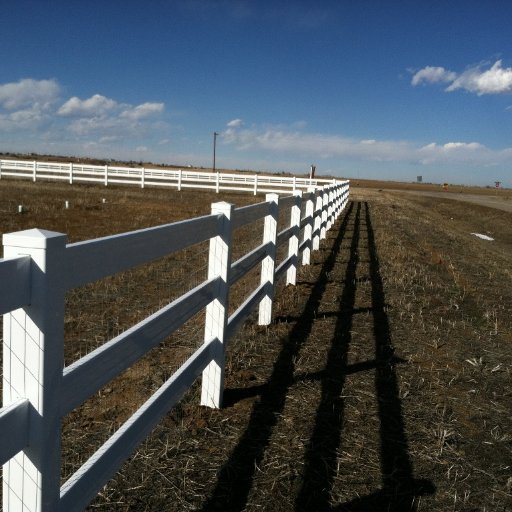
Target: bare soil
{"x": 382, "y": 384}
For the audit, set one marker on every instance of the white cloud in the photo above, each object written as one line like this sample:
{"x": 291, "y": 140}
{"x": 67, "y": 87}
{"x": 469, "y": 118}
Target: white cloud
{"x": 27, "y": 120}
{"x": 472, "y": 146}
{"x": 25, "y": 117}
{"x": 280, "y": 141}
{"x": 469, "y": 152}
{"x": 109, "y": 138}
{"x": 143, "y": 111}
{"x": 100, "y": 126}
{"x": 27, "y": 104}
{"x": 432, "y": 74}
{"x": 101, "y": 115}
{"x": 94, "y": 106}
{"x": 235, "y": 123}
{"x": 36, "y": 94}
{"x": 495, "y": 80}
{"x": 99, "y": 106}
{"x": 36, "y": 110}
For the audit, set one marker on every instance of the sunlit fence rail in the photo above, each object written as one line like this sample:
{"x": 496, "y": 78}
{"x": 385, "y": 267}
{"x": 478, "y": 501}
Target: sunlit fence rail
{"x": 155, "y": 177}
{"x": 39, "y": 390}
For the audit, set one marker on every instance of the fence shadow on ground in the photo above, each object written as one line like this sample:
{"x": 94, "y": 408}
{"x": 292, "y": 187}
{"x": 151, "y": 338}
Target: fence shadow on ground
{"x": 321, "y": 451}
{"x": 399, "y": 488}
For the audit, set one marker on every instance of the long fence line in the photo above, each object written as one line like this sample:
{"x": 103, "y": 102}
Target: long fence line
{"x": 38, "y": 390}
{"x": 155, "y": 177}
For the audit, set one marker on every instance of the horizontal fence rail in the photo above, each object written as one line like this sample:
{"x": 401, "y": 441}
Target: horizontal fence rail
{"x": 156, "y": 177}
{"x": 38, "y": 390}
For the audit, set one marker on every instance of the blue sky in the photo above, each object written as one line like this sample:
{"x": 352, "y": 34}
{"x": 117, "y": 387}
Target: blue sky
{"x": 372, "y": 89}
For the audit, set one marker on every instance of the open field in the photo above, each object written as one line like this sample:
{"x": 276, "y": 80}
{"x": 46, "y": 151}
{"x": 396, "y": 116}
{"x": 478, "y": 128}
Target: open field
{"x": 384, "y": 382}
{"x": 431, "y": 187}
{"x": 491, "y": 197}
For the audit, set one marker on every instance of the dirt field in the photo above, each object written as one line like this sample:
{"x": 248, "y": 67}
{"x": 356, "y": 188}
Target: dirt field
{"x": 500, "y": 202}
{"x": 383, "y": 383}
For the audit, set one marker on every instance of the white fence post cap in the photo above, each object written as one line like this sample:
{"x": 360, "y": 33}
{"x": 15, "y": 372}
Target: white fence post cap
{"x": 34, "y": 238}
{"x": 222, "y": 205}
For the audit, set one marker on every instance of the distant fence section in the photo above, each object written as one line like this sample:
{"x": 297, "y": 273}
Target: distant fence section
{"x": 156, "y": 177}
{"x": 38, "y": 390}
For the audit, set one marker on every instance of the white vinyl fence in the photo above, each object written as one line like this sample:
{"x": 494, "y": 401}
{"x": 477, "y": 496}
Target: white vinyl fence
{"x": 38, "y": 391}
{"x": 142, "y": 177}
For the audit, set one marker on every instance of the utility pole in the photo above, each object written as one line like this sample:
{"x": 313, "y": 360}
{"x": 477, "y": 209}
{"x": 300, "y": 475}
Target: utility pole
{"x": 214, "y": 144}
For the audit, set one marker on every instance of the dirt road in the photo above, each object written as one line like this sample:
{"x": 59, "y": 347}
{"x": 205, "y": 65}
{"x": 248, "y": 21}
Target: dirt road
{"x": 483, "y": 200}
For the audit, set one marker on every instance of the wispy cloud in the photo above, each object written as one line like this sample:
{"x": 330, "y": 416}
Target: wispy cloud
{"x": 469, "y": 152}
{"x": 282, "y": 141}
{"x": 476, "y": 79}
{"x": 432, "y": 74}
{"x": 235, "y": 123}
{"x": 143, "y": 111}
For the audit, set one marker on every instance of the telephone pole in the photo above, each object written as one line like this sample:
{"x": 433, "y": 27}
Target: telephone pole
{"x": 214, "y": 144}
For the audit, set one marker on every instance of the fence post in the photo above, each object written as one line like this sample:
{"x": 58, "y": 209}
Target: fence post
{"x": 180, "y": 172}
{"x": 255, "y": 184}
{"x": 0, "y": 169}
{"x": 217, "y": 184}
{"x": 219, "y": 264}
{"x": 340, "y": 200}
{"x": 71, "y": 173}
{"x": 269, "y": 263}
{"x": 318, "y": 219}
{"x": 34, "y": 170}
{"x": 33, "y": 358}
{"x": 330, "y": 207}
{"x": 106, "y": 175}
{"x": 325, "y": 202}
{"x": 142, "y": 177}
{"x": 293, "y": 242}
{"x": 334, "y": 206}
{"x": 308, "y": 228}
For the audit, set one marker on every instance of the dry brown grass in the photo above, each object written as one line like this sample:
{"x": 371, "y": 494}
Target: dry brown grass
{"x": 382, "y": 384}
{"x": 430, "y": 187}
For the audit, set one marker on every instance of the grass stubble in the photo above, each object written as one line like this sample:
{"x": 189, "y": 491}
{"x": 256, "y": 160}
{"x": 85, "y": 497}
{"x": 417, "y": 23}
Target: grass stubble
{"x": 383, "y": 382}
